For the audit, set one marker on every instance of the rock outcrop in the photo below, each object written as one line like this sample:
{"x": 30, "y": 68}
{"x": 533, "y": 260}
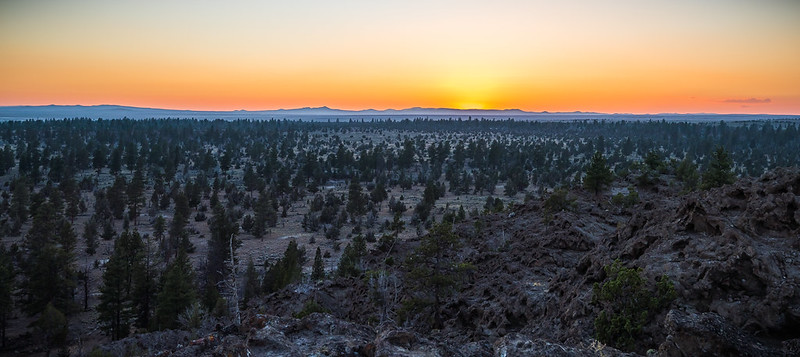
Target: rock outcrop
{"x": 731, "y": 252}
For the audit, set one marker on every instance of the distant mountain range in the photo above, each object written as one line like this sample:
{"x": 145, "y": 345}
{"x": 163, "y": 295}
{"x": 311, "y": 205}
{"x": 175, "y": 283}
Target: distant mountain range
{"x": 325, "y": 113}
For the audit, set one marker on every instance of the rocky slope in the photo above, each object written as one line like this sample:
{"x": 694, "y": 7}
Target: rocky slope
{"x": 731, "y": 252}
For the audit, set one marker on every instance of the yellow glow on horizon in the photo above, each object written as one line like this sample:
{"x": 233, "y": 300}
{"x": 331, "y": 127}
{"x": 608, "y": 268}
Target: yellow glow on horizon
{"x": 470, "y": 88}
{"x": 470, "y": 105}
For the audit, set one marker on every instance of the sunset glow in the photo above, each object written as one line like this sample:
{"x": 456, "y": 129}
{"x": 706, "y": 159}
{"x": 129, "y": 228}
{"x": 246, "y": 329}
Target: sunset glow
{"x": 623, "y": 56}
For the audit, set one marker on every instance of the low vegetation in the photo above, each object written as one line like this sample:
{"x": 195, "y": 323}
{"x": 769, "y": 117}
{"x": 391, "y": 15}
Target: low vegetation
{"x": 628, "y": 302}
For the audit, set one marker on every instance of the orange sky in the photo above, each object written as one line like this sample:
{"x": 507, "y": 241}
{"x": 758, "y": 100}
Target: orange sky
{"x": 642, "y": 56}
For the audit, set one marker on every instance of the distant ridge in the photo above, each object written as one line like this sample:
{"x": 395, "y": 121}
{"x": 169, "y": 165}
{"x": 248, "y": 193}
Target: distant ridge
{"x": 107, "y": 111}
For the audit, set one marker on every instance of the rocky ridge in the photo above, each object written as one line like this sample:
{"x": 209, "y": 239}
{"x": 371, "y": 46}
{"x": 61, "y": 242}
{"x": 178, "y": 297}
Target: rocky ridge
{"x": 732, "y": 253}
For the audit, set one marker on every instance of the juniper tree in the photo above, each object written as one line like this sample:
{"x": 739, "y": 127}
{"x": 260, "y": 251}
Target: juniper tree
{"x": 318, "y": 272}
{"x": 598, "y": 175}
{"x": 177, "y": 293}
{"x": 719, "y": 171}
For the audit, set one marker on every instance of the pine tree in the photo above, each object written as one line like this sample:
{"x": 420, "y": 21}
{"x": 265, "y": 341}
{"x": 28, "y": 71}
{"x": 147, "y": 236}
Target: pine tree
{"x": 108, "y": 230}
{"x": 90, "y": 236}
{"x": 19, "y": 204}
{"x": 71, "y": 193}
{"x": 598, "y": 175}
{"x": 285, "y": 271}
{"x": 687, "y": 172}
{"x": 434, "y": 273}
{"x": 115, "y": 162}
{"x": 318, "y": 272}
{"x": 356, "y": 201}
{"x": 98, "y": 158}
{"x": 116, "y": 196}
{"x": 117, "y": 297}
{"x": 347, "y": 262}
{"x": 159, "y": 227}
{"x": 653, "y": 160}
{"x": 178, "y": 237}
{"x": 250, "y": 180}
{"x": 265, "y": 215}
{"x": 6, "y": 159}
{"x": 251, "y": 284}
{"x": 114, "y": 308}
{"x": 144, "y": 285}
{"x": 378, "y": 194}
{"x": 51, "y": 327}
{"x": 134, "y": 192}
{"x": 49, "y": 267}
{"x": 177, "y": 292}
{"x": 7, "y": 287}
{"x": 182, "y": 206}
{"x": 719, "y": 171}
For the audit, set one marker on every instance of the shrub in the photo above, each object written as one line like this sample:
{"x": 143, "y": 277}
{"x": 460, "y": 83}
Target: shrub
{"x": 628, "y": 302}
{"x": 557, "y": 202}
{"x": 626, "y": 201}
{"x": 309, "y": 308}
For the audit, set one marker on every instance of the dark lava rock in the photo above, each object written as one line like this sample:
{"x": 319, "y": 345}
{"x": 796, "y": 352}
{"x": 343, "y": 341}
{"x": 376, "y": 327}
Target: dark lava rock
{"x": 518, "y": 345}
{"x": 708, "y": 334}
{"x": 731, "y": 252}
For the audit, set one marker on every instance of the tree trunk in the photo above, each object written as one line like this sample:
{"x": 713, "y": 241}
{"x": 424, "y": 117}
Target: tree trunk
{"x": 86, "y": 291}
{"x": 3, "y": 329}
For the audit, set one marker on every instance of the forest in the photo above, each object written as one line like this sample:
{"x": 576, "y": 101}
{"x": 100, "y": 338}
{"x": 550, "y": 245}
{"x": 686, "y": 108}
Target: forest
{"x": 118, "y": 228}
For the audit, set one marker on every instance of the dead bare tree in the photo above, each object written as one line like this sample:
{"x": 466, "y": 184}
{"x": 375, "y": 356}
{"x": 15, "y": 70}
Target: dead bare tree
{"x": 232, "y": 286}
{"x": 387, "y": 291}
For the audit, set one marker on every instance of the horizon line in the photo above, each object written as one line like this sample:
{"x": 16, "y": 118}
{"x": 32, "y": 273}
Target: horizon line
{"x": 358, "y": 111}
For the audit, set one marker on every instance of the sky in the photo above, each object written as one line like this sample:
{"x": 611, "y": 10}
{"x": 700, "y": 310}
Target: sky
{"x": 637, "y": 56}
